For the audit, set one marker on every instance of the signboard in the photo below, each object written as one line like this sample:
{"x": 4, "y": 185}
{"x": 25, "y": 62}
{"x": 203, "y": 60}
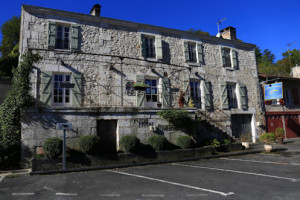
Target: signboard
{"x": 66, "y": 85}
{"x": 63, "y": 126}
{"x": 273, "y": 91}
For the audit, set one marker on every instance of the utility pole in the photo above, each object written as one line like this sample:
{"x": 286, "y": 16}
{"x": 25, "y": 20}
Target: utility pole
{"x": 288, "y": 48}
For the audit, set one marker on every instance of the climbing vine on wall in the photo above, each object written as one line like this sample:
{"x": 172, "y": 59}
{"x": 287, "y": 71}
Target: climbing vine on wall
{"x": 17, "y": 100}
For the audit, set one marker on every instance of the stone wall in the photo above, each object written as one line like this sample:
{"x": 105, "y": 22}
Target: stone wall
{"x": 296, "y": 72}
{"x": 110, "y": 55}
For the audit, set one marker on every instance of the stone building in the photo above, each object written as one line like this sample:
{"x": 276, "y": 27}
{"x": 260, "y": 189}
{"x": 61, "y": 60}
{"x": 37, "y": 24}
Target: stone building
{"x": 90, "y": 64}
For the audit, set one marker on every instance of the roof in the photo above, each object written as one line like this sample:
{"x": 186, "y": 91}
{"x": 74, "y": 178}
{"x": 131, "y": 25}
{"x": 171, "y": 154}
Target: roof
{"x": 264, "y": 76}
{"x": 90, "y": 18}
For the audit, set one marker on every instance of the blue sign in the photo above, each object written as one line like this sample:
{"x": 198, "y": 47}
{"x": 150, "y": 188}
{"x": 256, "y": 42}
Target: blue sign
{"x": 273, "y": 91}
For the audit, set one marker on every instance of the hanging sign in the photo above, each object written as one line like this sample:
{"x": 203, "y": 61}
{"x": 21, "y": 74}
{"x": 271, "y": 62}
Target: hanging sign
{"x": 273, "y": 91}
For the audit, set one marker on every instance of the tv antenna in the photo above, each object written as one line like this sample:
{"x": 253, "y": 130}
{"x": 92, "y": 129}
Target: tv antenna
{"x": 219, "y": 22}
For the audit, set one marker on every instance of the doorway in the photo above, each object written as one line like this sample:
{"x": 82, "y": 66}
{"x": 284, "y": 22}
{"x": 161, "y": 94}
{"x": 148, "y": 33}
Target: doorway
{"x": 106, "y": 130}
{"x": 241, "y": 124}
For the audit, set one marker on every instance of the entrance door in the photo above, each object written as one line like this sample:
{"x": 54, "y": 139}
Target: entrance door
{"x": 106, "y": 130}
{"x": 241, "y": 124}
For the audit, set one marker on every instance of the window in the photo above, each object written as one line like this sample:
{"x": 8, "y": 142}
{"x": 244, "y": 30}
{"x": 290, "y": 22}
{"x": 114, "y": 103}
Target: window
{"x": 62, "y": 37}
{"x": 227, "y": 57}
{"x": 231, "y": 92}
{"x": 192, "y": 52}
{"x": 195, "y": 93}
{"x": 151, "y": 93}
{"x": 287, "y": 96}
{"x": 61, "y": 95}
{"x": 150, "y": 47}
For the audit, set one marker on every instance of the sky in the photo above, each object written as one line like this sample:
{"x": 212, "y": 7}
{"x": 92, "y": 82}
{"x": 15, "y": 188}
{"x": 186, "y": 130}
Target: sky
{"x": 269, "y": 24}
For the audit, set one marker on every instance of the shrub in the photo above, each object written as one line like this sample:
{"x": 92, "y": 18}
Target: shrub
{"x": 184, "y": 142}
{"x": 175, "y": 117}
{"x": 279, "y": 133}
{"x": 158, "y": 142}
{"x": 89, "y": 144}
{"x": 129, "y": 143}
{"x": 226, "y": 141}
{"x": 245, "y": 137}
{"x": 267, "y": 138}
{"x": 53, "y": 147}
{"x": 215, "y": 143}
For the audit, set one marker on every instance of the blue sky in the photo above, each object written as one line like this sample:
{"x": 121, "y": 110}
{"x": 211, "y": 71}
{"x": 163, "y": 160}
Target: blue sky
{"x": 269, "y": 24}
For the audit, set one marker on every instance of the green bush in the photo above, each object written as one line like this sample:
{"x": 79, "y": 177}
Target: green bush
{"x": 53, "y": 147}
{"x": 129, "y": 143}
{"x": 267, "y": 138}
{"x": 279, "y": 133}
{"x": 158, "y": 142}
{"x": 215, "y": 143}
{"x": 184, "y": 142}
{"x": 89, "y": 144}
{"x": 226, "y": 141}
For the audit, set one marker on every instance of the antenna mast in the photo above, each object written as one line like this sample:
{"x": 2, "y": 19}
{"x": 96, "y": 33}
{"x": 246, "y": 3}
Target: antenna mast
{"x": 219, "y": 22}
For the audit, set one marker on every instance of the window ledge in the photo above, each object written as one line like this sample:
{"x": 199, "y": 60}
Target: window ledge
{"x": 194, "y": 64}
{"x": 229, "y": 68}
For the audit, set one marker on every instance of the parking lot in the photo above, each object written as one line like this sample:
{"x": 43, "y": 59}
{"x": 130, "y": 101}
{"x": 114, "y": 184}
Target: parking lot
{"x": 253, "y": 176}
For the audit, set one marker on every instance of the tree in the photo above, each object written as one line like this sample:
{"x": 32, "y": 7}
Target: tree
{"x": 10, "y": 35}
{"x": 265, "y": 62}
{"x": 268, "y": 57}
{"x": 9, "y": 47}
{"x": 258, "y": 55}
{"x": 198, "y": 31}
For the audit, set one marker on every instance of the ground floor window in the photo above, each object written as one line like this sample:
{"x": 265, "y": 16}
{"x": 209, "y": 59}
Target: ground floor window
{"x": 195, "y": 93}
{"x": 231, "y": 92}
{"x": 151, "y": 92}
{"x": 61, "y": 95}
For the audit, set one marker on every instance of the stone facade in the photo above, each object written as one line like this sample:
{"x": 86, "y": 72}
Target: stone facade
{"x": 296, "y": 72}
{"x": 109, "y": 55}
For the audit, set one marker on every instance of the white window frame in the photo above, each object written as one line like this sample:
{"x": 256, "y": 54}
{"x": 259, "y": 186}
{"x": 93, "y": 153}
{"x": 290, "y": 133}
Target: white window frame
{"x": 63, "y": 37}
{"x": 193, "y": 51}
{"x": 63, "y": 103}
{"x": 196, "y": 90}
{"x": 151, "y": 53}
{"x": 152, "y": 104}
{"x": 237, "y": 103}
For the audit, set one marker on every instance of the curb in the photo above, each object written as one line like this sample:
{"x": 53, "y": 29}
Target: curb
{"x": 141, "y": 164}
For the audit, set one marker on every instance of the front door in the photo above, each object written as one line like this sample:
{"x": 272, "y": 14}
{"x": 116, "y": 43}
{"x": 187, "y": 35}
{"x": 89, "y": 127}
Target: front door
{"x": 106, "y": 130}
{"x": 241, "y": 124}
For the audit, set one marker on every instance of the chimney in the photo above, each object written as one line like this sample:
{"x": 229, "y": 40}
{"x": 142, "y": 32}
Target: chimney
{"x": 96, "y": 10}
{"x": 228, "y": 33}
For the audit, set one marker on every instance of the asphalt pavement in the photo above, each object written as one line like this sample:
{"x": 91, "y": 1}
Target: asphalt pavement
{"x": 252, "y": 176}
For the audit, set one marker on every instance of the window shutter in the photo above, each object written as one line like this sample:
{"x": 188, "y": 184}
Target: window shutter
{"x": 186, "y": 51}
{"x": 224, "y": 96}
{"x": 77, "y": 90}
{"x": 234, "y": 59}
{"x": 158, "y": 47}
{"x": 295, "y": 96}
{"x": 200, "y": 53}
{"x": 140, "y": 95}
{"x": 51, "y": 34}
{"x": 46, "y": 88}
{"x": 242, "y": 91}
{"x": 74, "y": 37}
{"x": 143, "y": 44}
{"x": 166, "y": 92}
{"x": 185, "y": 88}
{"x": 207, "y": 99}
{"x": 223, "y": 56}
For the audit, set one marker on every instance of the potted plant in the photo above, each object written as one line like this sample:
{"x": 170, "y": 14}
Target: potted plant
{"x": 140, "y": 86}
{"x": 279, "y": 134}
{"x": 245, "y": 138}
{"x": 268, "y": 139}
{"x": 159, "y": 104}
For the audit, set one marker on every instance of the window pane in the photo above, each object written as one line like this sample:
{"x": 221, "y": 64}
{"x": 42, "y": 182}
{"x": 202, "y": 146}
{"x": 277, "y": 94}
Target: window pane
{"x": 148, "y": 97}
{"x": 148, "y": 90}
{"x": 67, "y": 99}
{"x": 154, "y": 98}
{"x": 67, "y": 78}
{"x": 148, "y": 82}
{"x": 153, "y": 83}
{"x": 60, "y": 78}
{"x": 154, "y": 91}
{"x": 60, "y": 100}
{"x": 67, "y": 92}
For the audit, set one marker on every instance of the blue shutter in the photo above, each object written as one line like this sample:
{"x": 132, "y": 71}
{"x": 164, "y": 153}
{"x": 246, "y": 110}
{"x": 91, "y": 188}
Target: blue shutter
{"x": 158, "y": 47}
{"x": 186, "y": 51}
{"x": 143, "y": 45}
{"x": 200, "y": 53}
{"x": 166, "y": 92}
{"x": 243, "y": 96}
{"x": 46, "y": 88}
{"x": 77, "y": 90}
{"x": 74, "y": 37}
{"x": 224, "y": 95}
{"x": 51, "y": 34}
{"x": 207, "y": 99}
{"x": 234, "y": 59}
{"x": 140, "y": 95}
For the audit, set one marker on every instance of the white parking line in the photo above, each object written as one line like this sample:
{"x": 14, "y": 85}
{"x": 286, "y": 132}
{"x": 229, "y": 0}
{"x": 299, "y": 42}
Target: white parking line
{"x": 109, "y": 195}
{"x": 173, "y": 183}
{"x": 153, "y": 195}
{"x": 240, "y": 172}
{"x": 65, "y": 194}
{"x": 196, "y": 195}
{"x": 257, "y": 161}
{"x": 22, "y": 194}
{"x": 1, "y": 178}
